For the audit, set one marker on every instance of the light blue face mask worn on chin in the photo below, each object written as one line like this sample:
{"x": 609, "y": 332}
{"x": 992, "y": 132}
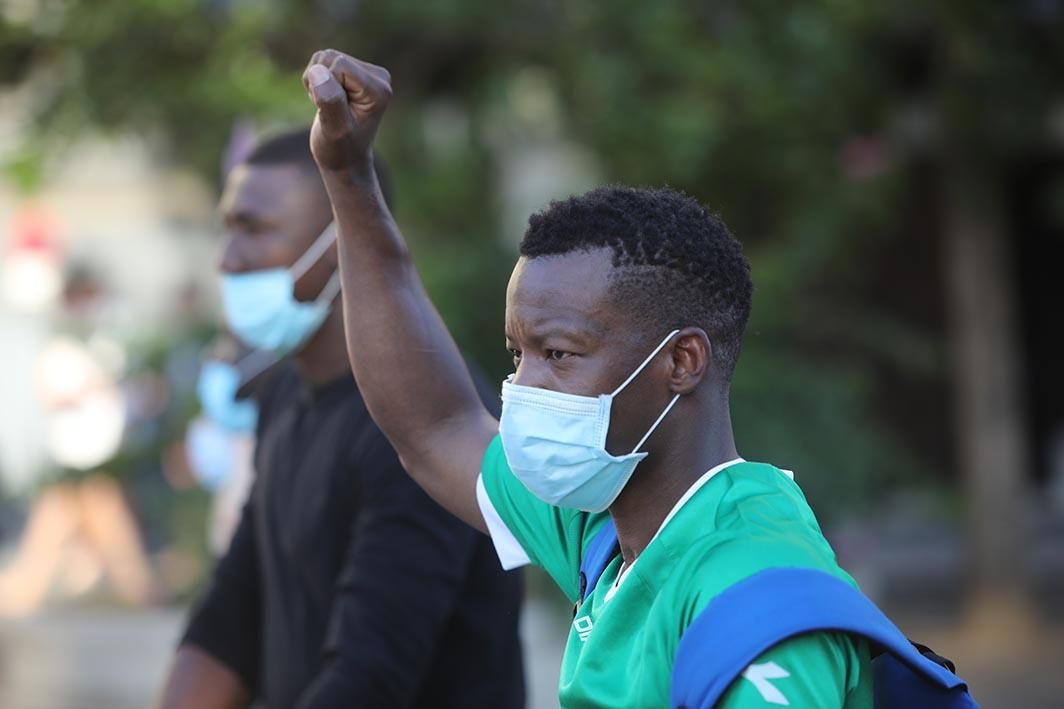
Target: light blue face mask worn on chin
{"x": 210, "y": 451}
{"x": 261, "y": 308}
{"x": 210, "y": 439}
{"x": 217, "y": 389}
{"x": 555, "y": 443}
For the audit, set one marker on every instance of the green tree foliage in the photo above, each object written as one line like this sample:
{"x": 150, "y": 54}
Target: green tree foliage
{"x": 800, "y": 122}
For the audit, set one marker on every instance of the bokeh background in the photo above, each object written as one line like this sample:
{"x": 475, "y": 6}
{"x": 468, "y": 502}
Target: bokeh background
{"x": 894, "y": 170}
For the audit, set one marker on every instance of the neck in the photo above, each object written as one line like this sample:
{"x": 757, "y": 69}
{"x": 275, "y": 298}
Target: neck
{"x": 665, "y": 475}
{"x": 324, "y": 357}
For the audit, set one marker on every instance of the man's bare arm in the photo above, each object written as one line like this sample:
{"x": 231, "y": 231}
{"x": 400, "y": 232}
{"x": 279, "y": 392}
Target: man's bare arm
{"x": 198, "y": 681}
{"x": 409, "y": 370}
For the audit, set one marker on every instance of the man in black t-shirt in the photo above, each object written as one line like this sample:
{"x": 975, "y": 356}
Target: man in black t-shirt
{"x": 344, "y": 585}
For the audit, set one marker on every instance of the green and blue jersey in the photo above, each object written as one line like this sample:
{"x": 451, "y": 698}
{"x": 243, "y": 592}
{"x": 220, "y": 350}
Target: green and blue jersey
{"x": 736, "y": 520}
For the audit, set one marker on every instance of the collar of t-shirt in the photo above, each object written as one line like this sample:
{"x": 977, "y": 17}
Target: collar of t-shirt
{"x": 695, "y": 487}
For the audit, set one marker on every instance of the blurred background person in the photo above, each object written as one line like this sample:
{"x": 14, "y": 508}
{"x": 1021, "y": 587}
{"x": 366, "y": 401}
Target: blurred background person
{"x": 77, "y": 534}
{"x": 344, "y": 584}
{"x": 80, "y": 531}
{"x": 220, "y": 442}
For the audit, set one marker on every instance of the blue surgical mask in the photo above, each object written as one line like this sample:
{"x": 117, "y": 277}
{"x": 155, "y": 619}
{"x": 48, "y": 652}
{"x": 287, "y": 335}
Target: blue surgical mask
{"x": 555, "y": 443}
{"x": 217, "y": 387}
{"x": 211, "y": 452}
{"x": 211, "y": 439}
{"x": 261, "y": 306}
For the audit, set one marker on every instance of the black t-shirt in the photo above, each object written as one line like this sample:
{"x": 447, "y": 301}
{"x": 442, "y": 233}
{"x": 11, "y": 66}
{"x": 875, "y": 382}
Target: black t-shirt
{"x": 344, "y": 584}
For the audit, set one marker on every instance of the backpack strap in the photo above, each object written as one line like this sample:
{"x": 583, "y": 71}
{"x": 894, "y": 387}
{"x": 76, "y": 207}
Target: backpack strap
{"x": 776, "y": 604}
{"x": 597, "y": 556}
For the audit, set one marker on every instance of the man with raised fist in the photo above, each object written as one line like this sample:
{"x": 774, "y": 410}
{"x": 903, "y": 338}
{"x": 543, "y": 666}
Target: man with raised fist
{"x": 624, "y": 316}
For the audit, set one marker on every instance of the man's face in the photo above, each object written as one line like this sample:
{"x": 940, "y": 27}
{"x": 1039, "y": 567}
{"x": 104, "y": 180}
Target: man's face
{"x": 272, "y": 214}
{"x": 568, "y": 335}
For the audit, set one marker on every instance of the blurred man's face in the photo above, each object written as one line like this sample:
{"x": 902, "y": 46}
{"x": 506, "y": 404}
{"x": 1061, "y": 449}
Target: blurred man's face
{"x": 567, "y": 335}
{"x": 271, "y": 215}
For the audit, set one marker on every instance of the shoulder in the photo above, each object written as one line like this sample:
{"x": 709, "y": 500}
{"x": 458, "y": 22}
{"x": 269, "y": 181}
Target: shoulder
{"x": 816, "y": 670}
{"x": 780, "y": 625}
{"x": 760, "y": 496}
{"x": 754, "y": 518}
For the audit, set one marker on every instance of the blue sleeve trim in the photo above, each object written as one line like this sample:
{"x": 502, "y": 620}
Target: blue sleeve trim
{"x": 754, "y": 615}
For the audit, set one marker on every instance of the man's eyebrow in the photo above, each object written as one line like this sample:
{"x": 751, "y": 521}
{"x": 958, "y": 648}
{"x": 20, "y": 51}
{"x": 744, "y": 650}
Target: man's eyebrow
{"x": 577, "y": 333}
{"x": 245, "y": 215}
{"x": 563, "y": 331}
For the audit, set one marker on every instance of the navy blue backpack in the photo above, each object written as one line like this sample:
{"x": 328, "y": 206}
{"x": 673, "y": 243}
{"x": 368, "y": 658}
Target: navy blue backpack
{"x": 752, "y": 616}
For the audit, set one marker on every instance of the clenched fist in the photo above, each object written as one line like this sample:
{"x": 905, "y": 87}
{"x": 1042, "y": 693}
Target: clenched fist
{"x": 351, "y": 97}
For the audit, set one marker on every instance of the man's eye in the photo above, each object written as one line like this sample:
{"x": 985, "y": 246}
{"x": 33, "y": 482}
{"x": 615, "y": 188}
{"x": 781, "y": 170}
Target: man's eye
{"x": 557, "y": 355}
{"x": 248, "y": 226}
{"x": 515, "y": 353}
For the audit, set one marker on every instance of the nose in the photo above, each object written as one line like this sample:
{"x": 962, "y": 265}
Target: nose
{"x": 532, "y": 372}
{"x": 231, "y": 260}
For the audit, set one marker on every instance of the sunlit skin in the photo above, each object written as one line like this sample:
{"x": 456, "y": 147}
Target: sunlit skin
{"x": 272, "y": 214}
{"x": 567, "y": 333}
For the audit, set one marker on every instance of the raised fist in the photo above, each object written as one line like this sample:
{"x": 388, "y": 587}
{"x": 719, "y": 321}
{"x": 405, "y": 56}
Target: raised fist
{"x": 351, "y": 97}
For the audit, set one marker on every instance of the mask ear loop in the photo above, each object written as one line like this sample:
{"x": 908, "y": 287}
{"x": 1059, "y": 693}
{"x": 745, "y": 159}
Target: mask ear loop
{"x": 660, "y": 419}
{"x": 641, "y": 367}
{"x": 253, "y": 364}
{"x": 308, "y": 259}
{"x": 331, "y": 288}
{"x": 634, "y": 374}
{"x": 315, "y": 252}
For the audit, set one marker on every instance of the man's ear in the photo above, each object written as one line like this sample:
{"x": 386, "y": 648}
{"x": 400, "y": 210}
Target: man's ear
{"x": 692, "y": 357}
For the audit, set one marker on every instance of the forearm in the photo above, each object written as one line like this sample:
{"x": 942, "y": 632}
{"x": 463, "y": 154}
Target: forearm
{"x": 199, "y": 681}
{"x": 414, "y": 382}
{"x": 409, "y": 369}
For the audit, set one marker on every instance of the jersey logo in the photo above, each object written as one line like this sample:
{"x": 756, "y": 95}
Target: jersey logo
{"x": 760, "y": 674}
{"x": 583, "y": 627}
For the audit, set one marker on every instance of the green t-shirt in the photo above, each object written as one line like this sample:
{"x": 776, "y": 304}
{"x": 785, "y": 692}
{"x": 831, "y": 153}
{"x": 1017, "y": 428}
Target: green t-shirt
{"x": 738, "y": 519}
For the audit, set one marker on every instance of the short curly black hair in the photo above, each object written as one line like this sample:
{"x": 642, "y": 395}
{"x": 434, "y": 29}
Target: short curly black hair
{"x": 676, "y": 264}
